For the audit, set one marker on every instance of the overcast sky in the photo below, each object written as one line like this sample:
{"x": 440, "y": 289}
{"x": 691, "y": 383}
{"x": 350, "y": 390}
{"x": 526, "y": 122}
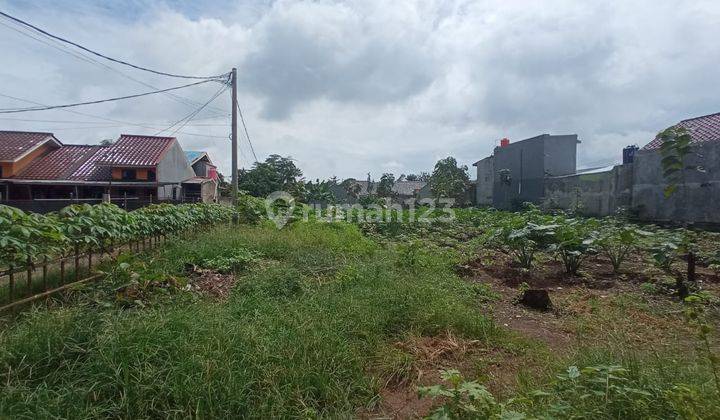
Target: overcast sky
{"x": 350, "y": 87}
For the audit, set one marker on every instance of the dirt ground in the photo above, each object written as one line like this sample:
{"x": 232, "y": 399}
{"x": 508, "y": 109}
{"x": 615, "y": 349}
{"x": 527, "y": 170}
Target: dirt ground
{"x": 595, "y": 305}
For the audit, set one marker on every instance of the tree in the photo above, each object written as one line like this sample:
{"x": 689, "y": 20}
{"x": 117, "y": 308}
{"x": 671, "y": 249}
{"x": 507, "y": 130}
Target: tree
{"x": 352, "y": 188}
{"x": 277, "y": 173}
{"x": 449, "y": 180}
{"x": 385, "y": 187}
{"x": 424, "y": 177}
{"x": 410, "y": 177}
{"x": 106, "y": 142}
{"x": 319, "y": 192}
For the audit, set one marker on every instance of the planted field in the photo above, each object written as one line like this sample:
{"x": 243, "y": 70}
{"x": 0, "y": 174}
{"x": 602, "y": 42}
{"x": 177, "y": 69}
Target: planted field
{"x": 353, "y": 320}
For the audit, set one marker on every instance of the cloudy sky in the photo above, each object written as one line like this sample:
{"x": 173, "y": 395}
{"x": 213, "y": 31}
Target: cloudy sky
{"x": 350, "y": 87}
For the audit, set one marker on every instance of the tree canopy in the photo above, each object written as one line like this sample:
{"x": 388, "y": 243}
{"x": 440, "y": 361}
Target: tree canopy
{"x": 277, "y": 173}
{"x": 449, "y": 180}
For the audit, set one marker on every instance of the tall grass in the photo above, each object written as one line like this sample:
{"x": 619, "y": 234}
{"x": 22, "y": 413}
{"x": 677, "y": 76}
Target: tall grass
{"x": 295, "y": 338}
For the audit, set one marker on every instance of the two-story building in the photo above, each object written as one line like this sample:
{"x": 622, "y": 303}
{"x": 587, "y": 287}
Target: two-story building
{"x": 38, "y": 166}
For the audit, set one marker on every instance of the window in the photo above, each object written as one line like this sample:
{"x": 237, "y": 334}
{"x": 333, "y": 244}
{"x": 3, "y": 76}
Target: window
{"x": 129, "y": 174}
{"x": 1, "y": 171}
{"x": 151, "y": 175}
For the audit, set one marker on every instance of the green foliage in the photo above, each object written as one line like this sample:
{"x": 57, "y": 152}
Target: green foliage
{"x": 449, "y": 180}
{"x": 319, "y": 192}
{"x": 32, "y": 236}
{"x": 232, "y": 262}
{"x": 617, "y": 240}
{"x": 385, "y": 186}
{"x": 573, "y": 241}
{"x": 674, "y": 149}
{"x": 277, "y": 173}
{"x": 464, "y": 399}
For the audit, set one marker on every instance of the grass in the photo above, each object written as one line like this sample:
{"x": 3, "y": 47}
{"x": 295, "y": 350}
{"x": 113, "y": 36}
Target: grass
{"x": 310, "y": 330}
{"x": 296, "y": 338}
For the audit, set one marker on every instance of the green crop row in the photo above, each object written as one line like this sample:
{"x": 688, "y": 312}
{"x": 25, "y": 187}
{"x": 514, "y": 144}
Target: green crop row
{"x": 81, "y": 227}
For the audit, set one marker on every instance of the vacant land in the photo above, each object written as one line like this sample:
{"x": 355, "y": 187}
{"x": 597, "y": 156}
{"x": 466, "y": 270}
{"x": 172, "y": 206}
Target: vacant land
{"x": 343, "y": 320}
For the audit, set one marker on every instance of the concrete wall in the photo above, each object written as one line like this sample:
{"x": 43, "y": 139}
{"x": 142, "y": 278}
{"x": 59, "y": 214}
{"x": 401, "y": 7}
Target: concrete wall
{"x": 698, "y": 200}
{"x": 485, "y": 179}
{"x": 525, "y": 162}
{"x": 173, "y": 167}
{"x": 592, "y": 194}
{"x": 560, "y": 155}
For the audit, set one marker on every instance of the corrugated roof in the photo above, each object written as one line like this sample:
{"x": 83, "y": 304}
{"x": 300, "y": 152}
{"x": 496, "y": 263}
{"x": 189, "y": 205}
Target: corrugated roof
{"x": 89, "y": 170}
{"x": 14, "y": 144}
{"x": 701, "y": 129}
{"x": 192, "y": 155}
{"x": 130, "y": 150}
{"x": 58, "y": 164}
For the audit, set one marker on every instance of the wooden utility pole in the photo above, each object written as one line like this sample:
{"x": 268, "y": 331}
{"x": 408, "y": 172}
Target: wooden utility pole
{"x": 234, "y": 181}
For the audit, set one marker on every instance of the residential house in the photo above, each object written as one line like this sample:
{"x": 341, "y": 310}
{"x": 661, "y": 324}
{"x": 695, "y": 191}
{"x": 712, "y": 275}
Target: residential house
{"x": 204, "y": 185}
{"x": 638, "y": 184}
{"x": 402, "y": 190}
{"x": 516, "y": 172}
{"x": 38, "y": 166}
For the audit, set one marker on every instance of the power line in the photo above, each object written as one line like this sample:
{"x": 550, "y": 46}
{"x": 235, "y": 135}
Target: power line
{"x": 158, "y": 124}
{"x": 125, "y": 123}
{"x": 22, "y": 22}
{"x": 45, "y": 108}
{"x": 82, "y": 57}
{"x": 190, "y": 116}
{"x": 247, "y": 135}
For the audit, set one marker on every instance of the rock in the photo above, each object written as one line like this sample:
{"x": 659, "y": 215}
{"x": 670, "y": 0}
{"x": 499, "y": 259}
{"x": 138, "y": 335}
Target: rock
{"x": 536, "y": 299}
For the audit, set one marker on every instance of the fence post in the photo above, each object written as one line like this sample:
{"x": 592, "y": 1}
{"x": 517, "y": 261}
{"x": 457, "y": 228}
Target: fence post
{"x": 11, "y": 285}
{"x": 29, "y": 274}
{"x": 90, "y": 260}
{"x": 44, "y": 273}
{"x": 77, "y": 262}
{"x": 62, "y": 271}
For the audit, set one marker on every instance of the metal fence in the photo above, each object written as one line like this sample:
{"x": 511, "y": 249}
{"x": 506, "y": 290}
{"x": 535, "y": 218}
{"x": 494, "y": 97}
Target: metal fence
{"x": 35, "y": 280}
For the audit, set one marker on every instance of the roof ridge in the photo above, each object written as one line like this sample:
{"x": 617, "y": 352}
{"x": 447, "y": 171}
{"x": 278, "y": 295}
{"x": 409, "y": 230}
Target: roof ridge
{"x": 27, "y": 132}
{"x": 702, "y": 116}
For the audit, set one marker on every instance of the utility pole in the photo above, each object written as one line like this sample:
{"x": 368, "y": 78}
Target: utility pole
{"x": 234, "y": 179}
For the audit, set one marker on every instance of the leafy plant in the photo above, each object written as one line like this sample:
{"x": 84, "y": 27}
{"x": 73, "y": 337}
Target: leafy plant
{"x": 573, "y": 241}
{"x": 695, "y": 315}
{"x": 617, "y": 241}
{"x": 235, "y": 261}
{"x": 464, "y": 399}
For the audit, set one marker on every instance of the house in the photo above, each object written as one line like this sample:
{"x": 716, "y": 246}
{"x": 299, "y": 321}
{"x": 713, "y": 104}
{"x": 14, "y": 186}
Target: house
{"x": 38, "y": 166}
{"x": 638, "y": 184}
{"x": 402, "y": 190}
{"x": 204, "y": 185}
{"x": 516, "y": 172}
{"x": 697, "y": 198}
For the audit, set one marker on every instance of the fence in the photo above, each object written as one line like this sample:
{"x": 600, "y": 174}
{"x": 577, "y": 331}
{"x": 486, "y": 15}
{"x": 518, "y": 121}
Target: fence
{"x": 34, "y": 281}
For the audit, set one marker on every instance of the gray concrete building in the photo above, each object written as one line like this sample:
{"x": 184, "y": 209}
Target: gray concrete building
{"x": 516, "y": 171}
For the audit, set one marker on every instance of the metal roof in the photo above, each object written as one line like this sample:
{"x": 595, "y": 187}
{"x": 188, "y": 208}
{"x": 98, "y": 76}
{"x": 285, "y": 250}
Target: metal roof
{"x": 701, "y": 129}
{"x": 89, "y": 170}
{"x": 58, "y": 164}
{"x": 130, "y": 150}
{"x": 15, "y": 144}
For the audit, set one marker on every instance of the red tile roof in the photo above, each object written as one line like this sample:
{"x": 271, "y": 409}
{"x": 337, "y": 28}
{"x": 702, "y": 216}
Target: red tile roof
{"x": 131, "y": 150}
{"x": 58, "y": 164}
{"x": 89, "y": 170}
{"x": 701, "y": 129}
{"x": 14, "y": 144}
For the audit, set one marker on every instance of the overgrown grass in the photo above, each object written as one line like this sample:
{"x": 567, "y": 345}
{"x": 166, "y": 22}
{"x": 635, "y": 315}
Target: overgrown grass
{"x": 296, "y": 338}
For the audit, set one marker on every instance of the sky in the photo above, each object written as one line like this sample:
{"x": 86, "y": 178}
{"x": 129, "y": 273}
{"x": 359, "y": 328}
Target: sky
{"x": 351, "y": 87}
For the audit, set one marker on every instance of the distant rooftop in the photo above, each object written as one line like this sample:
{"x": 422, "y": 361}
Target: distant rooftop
{"x": 701, "y": 129}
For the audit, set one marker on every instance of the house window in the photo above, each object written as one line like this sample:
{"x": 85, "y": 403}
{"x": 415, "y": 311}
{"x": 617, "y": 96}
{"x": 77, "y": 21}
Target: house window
{"x": 129, "y": 174}
{"x": 151, "y": 175}
{"x": 1, "y": 171}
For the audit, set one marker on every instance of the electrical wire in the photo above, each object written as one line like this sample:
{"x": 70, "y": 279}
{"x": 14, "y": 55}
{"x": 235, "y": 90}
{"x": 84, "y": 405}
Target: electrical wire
{"x": 58, "y": 38}
{"x": 82, "y": 57}
{"x": 45, "y": 108}
{"x": 190, "y": 116}
{"x": 247, "y": 135}
{"x": 125, "y": 123}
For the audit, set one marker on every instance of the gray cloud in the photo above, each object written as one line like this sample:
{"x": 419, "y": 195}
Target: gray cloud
{"x": 348, "y": 87}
